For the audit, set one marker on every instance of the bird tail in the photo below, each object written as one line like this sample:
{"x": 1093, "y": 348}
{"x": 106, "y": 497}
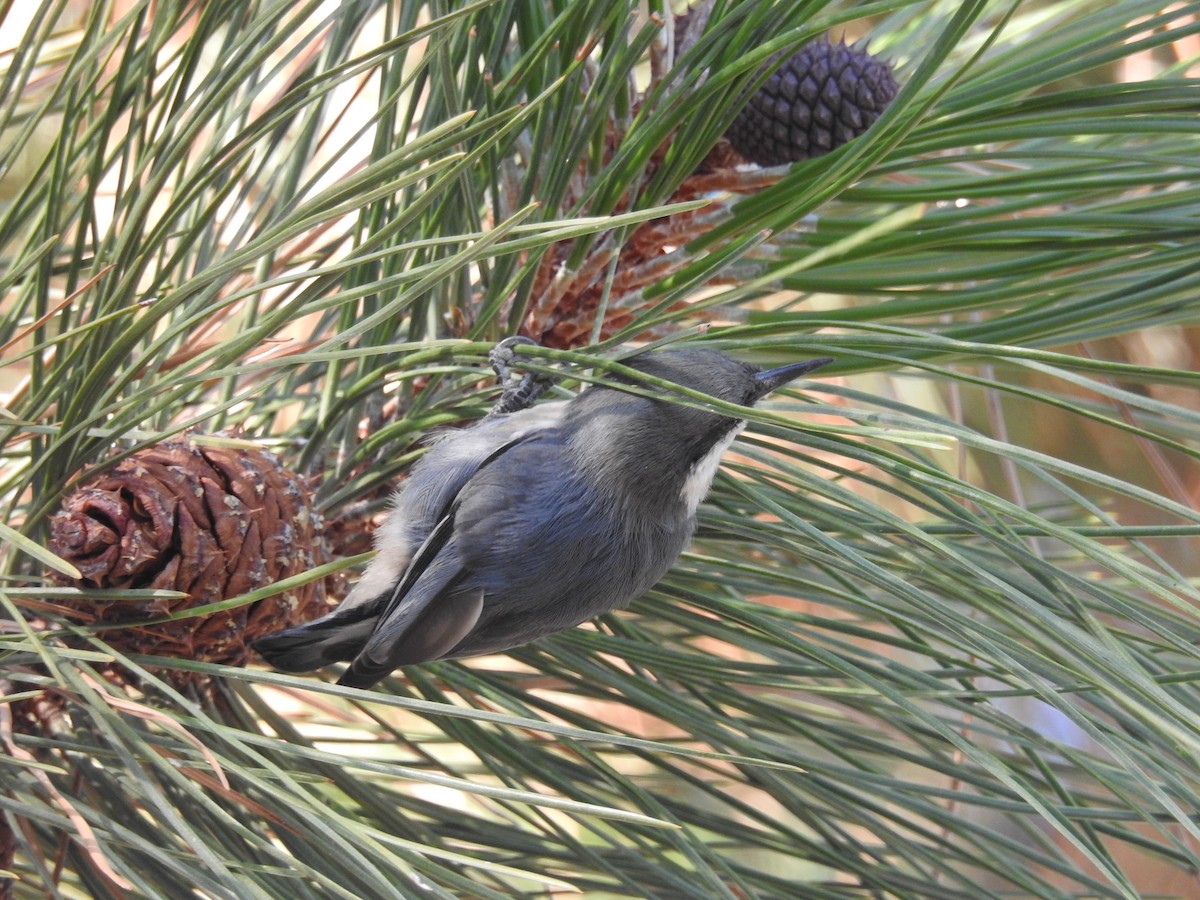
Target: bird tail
{"x": 337, "y": 637}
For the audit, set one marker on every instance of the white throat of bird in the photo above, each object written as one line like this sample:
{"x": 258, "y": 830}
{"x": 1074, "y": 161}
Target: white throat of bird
{"x": 704, "y": 470}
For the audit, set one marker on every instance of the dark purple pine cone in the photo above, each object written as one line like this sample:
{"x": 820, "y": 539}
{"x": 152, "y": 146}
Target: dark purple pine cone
{"x": 823, "y": 96}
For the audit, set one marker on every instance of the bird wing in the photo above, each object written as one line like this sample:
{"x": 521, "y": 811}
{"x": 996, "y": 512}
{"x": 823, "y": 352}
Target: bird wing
{"x": 425, "y": 617}
{"x": 407, "y": 543}
{"x": 342, "y": 634}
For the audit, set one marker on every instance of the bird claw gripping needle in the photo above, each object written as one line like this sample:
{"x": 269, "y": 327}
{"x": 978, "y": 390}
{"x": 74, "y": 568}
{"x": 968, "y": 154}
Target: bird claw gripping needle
{"x": 522, "y": 394}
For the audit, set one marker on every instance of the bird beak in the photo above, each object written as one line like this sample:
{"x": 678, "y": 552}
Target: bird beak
{"x": 771, "y": 379}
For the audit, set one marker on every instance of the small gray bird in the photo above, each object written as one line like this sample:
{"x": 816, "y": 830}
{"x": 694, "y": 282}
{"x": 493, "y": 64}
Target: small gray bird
{"x": 533, "y": 521}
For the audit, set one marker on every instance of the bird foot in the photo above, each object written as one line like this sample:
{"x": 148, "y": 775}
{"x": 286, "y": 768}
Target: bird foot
{"x": 522, "y": 394}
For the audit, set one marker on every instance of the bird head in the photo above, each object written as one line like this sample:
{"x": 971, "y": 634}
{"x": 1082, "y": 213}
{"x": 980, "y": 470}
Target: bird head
{"x": 659, "y": 451}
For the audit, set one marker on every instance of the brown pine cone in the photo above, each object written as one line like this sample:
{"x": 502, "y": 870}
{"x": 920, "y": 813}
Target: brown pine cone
{"x": 823, "y": 96}
{"x": 213, "y": 522}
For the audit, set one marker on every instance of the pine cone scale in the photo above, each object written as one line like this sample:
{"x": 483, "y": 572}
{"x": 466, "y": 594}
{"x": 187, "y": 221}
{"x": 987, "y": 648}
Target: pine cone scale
{"x": 210, "y": 522}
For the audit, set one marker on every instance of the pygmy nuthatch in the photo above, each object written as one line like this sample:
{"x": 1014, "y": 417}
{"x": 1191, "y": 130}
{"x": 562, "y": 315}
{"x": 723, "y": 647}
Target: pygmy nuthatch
{"x": 533, "y": 521}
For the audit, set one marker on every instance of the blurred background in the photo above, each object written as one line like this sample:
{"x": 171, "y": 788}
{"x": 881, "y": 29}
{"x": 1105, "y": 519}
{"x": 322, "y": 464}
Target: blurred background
{"x": 937, "y": 635}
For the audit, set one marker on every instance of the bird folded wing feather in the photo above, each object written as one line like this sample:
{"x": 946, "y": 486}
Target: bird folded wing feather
{"x": 425, "y": 618}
